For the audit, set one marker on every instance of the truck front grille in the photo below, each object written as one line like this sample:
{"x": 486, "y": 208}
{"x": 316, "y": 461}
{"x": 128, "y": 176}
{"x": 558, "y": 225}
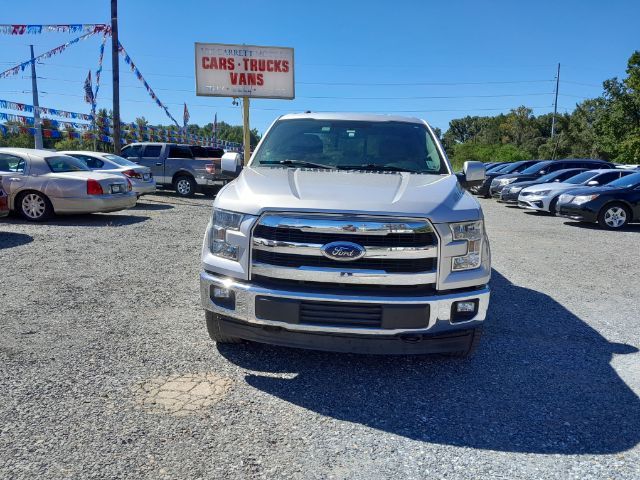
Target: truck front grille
{"x": 397, "y": 251}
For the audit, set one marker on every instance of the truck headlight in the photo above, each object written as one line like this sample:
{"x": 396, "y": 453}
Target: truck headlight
{"x": 223, "y": 221}
{"x": 473, "y": 233}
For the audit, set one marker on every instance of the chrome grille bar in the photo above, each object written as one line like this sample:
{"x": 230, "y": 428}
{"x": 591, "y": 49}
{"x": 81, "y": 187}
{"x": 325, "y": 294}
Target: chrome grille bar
{"x": 398, "y": 251}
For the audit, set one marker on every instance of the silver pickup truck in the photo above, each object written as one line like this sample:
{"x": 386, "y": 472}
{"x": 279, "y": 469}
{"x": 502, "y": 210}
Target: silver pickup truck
{"x": 351, "y": 233}
{"x": 175, "y": 166}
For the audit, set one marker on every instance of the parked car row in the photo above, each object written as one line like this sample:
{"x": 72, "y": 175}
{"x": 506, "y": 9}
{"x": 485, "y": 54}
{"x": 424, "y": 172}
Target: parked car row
{"x": 586, "y": 190}
{"x": 40, "y": 183}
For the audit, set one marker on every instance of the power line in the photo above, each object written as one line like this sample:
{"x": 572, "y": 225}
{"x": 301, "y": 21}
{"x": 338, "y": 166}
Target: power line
{"x": 356, "y": 84}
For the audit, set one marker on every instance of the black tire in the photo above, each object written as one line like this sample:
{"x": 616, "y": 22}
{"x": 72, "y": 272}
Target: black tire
{"x": 553, "y": 205}
{"x": 614, "y": 216}
{"x": 213, "y": 327}
{"x": 34, "y": 206}
{"x": 476, "y": 335}
{"x": 185, "y": 186}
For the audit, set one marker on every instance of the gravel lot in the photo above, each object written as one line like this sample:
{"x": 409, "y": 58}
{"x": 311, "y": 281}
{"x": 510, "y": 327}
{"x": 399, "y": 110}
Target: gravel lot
{"x": 106, "y": 370}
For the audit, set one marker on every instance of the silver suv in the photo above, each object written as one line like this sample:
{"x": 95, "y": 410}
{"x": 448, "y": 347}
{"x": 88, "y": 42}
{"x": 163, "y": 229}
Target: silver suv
{"x": 347, "y": 233}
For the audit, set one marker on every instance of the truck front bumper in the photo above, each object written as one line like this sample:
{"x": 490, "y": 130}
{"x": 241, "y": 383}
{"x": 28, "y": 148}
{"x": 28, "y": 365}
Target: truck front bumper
{"x": 438, "y": 333}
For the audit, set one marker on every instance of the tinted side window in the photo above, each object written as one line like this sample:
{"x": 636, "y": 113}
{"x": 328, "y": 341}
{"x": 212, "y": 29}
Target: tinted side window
{"x": 90, "y": 162}
{"x": 555, "y": 166}
{"x": 11, "y": 163}
{"x": 198, "y": 151}
{"x": 180, "y": 151}
{"x": 131, "y": 151}
{"x": 607, "y": 177}
{"x": 152, "y": 151}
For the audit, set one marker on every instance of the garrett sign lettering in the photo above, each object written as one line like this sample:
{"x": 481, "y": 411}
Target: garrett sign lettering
{"x": 244, "y": 71}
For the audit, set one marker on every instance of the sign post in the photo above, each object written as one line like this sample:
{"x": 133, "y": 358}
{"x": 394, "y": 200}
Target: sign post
{"x": 247, "y": 71}
{"x": 246, "y": 130}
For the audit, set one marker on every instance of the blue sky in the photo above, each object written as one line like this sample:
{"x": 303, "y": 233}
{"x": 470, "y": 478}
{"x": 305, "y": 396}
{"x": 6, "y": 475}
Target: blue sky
{"x": 480, "y": 58}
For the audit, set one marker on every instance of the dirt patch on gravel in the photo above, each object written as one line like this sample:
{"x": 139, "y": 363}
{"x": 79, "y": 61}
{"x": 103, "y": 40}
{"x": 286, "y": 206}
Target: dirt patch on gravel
{"x": 181, "y": 394}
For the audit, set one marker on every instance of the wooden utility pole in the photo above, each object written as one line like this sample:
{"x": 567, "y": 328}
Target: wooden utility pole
{"x": 37, "y": 138}
{"x": 555, "y": 104}
{"x": 246, "y": 132}
{"x": 115, "y": 68}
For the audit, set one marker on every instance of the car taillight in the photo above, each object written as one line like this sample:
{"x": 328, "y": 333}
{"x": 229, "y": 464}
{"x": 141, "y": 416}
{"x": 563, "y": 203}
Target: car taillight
{"x": 210, "y": 168}
{"x": 132, "y": 174}
{"x": 93, "y": 187}
{"x": 129, "y": 187}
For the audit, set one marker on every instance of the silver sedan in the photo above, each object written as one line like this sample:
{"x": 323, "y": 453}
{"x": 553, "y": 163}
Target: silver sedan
{"x": 40, "y": 183}
{"x": 140, "y": 176}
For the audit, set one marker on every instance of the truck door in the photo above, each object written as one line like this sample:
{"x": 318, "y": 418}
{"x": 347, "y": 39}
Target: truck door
{"x": 152, "y": 157}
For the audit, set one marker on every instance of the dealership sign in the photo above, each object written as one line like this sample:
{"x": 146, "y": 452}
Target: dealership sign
{"x": 244, "y": 71}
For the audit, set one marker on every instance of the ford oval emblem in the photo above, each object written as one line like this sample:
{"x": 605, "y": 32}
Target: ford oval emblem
{"x": 343, "y": 251}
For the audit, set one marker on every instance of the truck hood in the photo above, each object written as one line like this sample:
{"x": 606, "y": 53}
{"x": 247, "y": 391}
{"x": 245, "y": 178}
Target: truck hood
{"x": 437, "y": 197}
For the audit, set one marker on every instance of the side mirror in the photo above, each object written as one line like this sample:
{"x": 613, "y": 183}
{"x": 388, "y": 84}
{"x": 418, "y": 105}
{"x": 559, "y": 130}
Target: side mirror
{"x": 231, "y": 164}
{"x": 592, "y": 183}
{"x": 473, "y": 174}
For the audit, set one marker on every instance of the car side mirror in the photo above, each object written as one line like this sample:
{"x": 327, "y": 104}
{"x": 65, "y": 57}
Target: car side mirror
{"x": 592, "y": 183}
{"x": 231, "y": 164}
{"x": 472, "y": 175}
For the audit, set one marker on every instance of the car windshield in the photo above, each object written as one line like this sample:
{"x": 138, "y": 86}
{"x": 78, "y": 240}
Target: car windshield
{"x": 511, "y": 168}
{"x": 549, "y": 177}
{"x": 581, "y": 178}
{"x": 535, "y": 168}
{"x": 123, "y": 162}
{"x": 351, "y": 145}
{"x": 64, "y": 163}
{"x": 626, "y": 181}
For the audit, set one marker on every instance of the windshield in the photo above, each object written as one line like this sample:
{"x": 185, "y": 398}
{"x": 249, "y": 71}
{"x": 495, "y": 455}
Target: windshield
{"x": 63, "y": 163}
{"x": 535, "y": 168}
{"x": 549, "y": 177}
{"x": 511, "y": 168}
{"x": 581, "y": 177}
{"x": 123, "y": 162}
{"x": 626, "y": 181}
{"x": 351, "y": 145}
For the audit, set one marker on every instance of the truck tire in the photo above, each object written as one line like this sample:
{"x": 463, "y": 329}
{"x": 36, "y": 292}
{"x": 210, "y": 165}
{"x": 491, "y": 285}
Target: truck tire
{"x": 185, "y": 186}
{"x": 476, "y": 335}
{"x": 213, "y": 327}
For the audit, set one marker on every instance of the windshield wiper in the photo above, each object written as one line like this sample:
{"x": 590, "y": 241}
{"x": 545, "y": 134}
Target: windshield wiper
{"x": 374, "y": 167}
{"x": 299, "y": 163}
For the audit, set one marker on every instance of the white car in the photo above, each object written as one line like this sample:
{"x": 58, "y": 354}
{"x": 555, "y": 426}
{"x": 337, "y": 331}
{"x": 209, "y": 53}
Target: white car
{"x": 141, "y": 177}
{"x": 544, "y": 197}
{"x": 41, "y": 183}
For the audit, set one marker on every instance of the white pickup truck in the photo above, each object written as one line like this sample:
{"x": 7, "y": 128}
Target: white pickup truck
{"x": 350, "y": 233}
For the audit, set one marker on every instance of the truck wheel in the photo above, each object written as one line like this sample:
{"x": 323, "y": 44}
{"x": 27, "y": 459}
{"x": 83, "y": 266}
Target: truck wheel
{"x": 185, "y": 186}
{"x": 614, "y": 216}
{"x": 476, "y": 335}
{"x": 34, "y": 206}
{"x": 213, "y": 327}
